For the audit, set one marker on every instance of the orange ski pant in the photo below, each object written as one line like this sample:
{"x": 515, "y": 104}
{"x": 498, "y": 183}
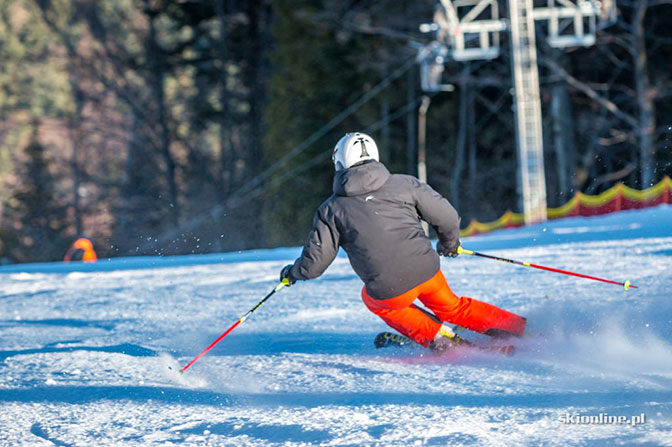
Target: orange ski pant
{"x": 401, "y": 314}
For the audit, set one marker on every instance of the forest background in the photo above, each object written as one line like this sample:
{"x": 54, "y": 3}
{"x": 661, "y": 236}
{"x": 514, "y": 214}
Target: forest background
{"x": 166, "y": 126}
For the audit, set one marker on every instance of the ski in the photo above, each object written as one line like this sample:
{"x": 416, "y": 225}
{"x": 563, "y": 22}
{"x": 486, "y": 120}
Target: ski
{"x": 390, "y": 339}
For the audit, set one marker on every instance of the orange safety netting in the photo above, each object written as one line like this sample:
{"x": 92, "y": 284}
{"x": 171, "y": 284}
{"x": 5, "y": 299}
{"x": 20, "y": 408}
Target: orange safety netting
{"x": 617, "y": 198}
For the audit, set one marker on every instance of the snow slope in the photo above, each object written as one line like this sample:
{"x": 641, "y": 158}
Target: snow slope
{"x": 85, "y": 350}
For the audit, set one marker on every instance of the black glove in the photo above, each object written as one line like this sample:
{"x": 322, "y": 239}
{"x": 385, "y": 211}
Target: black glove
{"x": 443, "y": 251}
{"x": 286, "y": 273}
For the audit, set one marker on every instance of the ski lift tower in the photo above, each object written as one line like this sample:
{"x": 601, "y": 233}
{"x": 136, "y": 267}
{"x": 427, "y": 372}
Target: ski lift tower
{"x": 468, "y": 30}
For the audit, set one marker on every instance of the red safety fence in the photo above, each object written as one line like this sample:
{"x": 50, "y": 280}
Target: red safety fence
{"x": 617, "y": 198}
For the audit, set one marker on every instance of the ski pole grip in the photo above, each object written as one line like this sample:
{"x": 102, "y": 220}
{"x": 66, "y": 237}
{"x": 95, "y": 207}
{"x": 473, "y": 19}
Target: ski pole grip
{"x": 461, "y": 250}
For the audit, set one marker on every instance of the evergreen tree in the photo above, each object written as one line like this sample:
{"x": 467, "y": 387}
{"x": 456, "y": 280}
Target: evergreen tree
{"x": 38, "y": 219}
{"x": 316, "y": 72}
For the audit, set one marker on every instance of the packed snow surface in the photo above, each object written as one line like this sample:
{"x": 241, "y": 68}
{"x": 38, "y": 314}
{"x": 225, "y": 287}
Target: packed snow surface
{"x": 90, "y": 353}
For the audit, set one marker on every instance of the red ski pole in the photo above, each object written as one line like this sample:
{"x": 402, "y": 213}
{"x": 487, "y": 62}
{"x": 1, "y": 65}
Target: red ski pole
{"x": 625, "y": 285}
{"x": 282, "y": 284}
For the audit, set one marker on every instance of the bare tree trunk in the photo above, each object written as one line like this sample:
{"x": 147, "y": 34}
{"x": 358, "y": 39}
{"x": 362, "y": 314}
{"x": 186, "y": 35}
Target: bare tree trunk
{"x": 225, "y": 126}
{"x": 157, "y": 64}
{"x": 385, "y": 131}
{"x": 411, "y": 123}
{"x": 258, "y": 16}
{"x": 472, "y": 150}
{"x": 127, "y": 190}
{"x": 462, "y": 135}
{"x": 561, "y": 138}
{"x": 645, "y": 97}
{"x": 76, "y": 137}
{"x": 586, "y": 168}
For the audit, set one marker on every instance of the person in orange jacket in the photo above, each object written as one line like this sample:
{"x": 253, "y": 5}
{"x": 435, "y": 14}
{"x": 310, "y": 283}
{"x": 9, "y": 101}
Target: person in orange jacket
{"x": 81, "y": 250}
{"x": 376, "y": 217}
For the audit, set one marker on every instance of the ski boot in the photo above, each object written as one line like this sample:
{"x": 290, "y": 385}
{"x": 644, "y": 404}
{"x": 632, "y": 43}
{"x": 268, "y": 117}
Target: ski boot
{"x": 445, "y": 339}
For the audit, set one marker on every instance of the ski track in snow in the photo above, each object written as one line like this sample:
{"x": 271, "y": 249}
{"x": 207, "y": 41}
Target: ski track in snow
{"x": 85, "y": 350}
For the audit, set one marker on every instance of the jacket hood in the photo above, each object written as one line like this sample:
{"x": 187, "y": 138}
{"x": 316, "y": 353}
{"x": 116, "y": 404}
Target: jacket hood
{"x": 360, "y": 179}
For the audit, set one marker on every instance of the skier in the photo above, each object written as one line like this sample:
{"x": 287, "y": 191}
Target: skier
{"x": 375, "y": 216}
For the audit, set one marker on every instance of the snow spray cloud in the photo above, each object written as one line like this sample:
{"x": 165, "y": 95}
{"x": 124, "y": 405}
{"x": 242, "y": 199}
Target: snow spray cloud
{"x": 617, "y": 342}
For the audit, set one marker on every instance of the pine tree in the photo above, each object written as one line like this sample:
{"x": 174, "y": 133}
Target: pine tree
{"x": 38, "y": 219}
{"x": 315, "y": 73}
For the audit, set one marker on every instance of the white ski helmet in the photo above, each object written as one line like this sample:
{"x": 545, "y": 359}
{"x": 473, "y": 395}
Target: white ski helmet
{"x": 354, "y": 148}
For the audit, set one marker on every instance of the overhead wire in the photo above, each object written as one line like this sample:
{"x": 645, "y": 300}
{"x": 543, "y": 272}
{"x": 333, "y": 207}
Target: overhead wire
{"x": 319, "y": 158}
{"x": 244, "y": 193}
{"x": 329, "y": 126}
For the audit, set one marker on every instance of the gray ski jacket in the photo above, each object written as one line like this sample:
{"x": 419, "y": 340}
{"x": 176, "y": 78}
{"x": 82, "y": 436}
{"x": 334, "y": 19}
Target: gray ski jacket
{"x": 375, "y": 216}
